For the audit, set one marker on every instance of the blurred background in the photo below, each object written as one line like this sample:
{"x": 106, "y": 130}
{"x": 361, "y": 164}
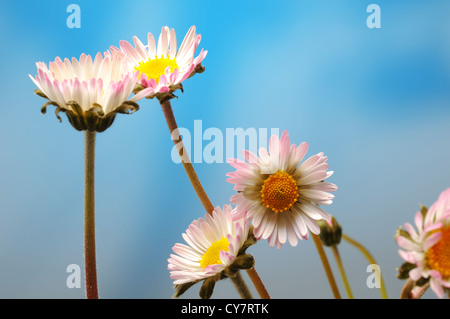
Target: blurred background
{"x": 375, "y": 101}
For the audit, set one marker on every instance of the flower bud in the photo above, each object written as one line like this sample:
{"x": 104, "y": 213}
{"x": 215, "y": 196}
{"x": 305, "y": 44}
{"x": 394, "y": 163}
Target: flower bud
{"x": 207, "y": 288}
{"x": 330, "y": 232}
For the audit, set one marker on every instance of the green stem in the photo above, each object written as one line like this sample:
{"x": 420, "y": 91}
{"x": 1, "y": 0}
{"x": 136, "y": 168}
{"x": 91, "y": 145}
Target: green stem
{"x": 371, "y": 260}
{"x": 326, "y": 266}
{"x": 340, "y": 265}
{"x": 89, "y": 216}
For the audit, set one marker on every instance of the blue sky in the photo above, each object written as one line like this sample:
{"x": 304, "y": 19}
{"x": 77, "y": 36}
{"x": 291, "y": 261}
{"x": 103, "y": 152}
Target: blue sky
{"x": 375, "y": 101}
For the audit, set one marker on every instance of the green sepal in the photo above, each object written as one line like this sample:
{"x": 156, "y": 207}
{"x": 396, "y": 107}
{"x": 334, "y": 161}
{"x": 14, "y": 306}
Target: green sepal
{"x": 330, "y": 235}
{"x": 251, "y": 240}
{"x": 423, "y": 211}
{"x": 127, "y": 107}
{"x": 93, "y": 119}
{"x": 207, "y": 288}
{"x": 182, "y": 288}
{"x": 137, "y": 88}
{"x": 403, "y": 271}
{"x": 403, "y": 233}
{"x": 41, "y": 94}
{"x": 240, "y": 262}
{"x": 422, "y": 281}
{"x": 44, "y": 107}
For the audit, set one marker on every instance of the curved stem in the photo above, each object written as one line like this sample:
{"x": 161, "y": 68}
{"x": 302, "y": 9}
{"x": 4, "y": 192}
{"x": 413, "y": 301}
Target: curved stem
{"x": 188, "y": 167}
{"x": 371, "y": 260}
{"x": 241, "y": 286}
{"x": 326, "y": 266}
{"x": 406, "y": 292}
{"x": 340, "y": 265}
{"x": 196, "y": 184}
{"x": 89, "y": 216}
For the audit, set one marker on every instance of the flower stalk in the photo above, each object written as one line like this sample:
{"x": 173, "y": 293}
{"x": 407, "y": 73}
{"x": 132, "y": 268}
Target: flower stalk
{"x": 89, "y": 216}
{"x": 340, "y": 265}
{"x": 418, "y": 292}
{"x": 326, "y": 266}
{"x": 187, "y": 165}
{"x": 196, "y": 184}
{"x": 371, "y": 260}
{"x": 241, "y": 286}
{"x": 407, "y": 289}
{"x": 257, "y": 282}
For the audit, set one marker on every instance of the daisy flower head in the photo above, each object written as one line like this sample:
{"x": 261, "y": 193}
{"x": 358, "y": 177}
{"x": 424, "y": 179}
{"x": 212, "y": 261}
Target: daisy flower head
{"x": 163, "y": 67}
{"x": 426, "y": 248}
{"x": 90, "y": 92}
{"x": 215, "y": 249}
{"x": 279, "y": 193}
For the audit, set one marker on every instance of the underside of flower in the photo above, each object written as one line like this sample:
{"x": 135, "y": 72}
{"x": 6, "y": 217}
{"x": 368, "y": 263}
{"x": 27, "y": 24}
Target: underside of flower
{"x": 168, "y": 94}
{"x": 90, "y": 91}
{"x": 93, "y": 119}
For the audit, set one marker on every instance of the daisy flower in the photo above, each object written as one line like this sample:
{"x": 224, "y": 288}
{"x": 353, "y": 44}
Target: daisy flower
{"x": 214, "y": 243}
{"x": 427, "y": 249}
{"x": 162, "y": 67}
{"x": 280, "y": 195}
{"x": 91, "y": 93}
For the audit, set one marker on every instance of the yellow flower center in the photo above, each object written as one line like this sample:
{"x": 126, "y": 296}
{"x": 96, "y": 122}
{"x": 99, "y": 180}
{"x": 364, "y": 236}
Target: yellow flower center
{"x": 154, "y": 68}
{"x": 212, "y": 254}
{"x": 279, "y": 192}
{"x": 438, "y": 256}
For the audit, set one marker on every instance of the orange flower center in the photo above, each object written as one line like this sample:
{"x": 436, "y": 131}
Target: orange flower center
{"x": 279, "y": 192}
{"x": 438, "y": 256}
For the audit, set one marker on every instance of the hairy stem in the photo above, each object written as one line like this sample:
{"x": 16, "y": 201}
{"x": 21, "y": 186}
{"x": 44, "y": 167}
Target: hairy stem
{"x": 418, "y": 292}
{"x": 241, "y": 286}
{"x": 89, "y": 216}
{"x": 406, "y": 292}
{"x": 188, "y": 167}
